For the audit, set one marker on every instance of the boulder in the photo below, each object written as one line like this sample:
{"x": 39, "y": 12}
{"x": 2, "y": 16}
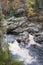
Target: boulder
{"x": 33, "y": 28}
{"x": 15, "y": 24}
{"x": 19, "y": 12}
{"x": 39, "y": 37}
{"x": 23, "y": 37}
{"x": 21, "y": 24}
{"x": 3, "y": 42}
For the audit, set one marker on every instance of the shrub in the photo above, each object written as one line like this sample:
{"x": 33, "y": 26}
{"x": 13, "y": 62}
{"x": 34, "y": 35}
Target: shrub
{"x": 5, "y": 59}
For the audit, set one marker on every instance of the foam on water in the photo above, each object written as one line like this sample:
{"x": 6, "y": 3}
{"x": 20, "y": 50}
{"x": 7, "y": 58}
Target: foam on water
{"x": 32, "y": 41}
{"x": 23, "y": 53}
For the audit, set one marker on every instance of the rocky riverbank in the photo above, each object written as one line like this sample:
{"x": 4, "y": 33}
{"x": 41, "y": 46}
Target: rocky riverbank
{"x": 25, "y": 36}
{"x": 22, "y": 27}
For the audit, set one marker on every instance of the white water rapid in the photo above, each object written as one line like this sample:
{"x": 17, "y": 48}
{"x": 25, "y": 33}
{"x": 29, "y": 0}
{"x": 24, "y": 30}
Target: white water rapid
{"x": 22, "y": 53}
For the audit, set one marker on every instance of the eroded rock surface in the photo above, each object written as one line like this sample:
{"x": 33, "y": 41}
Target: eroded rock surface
{"x": 39, "y": 37}
{"x": 23, "y": 37}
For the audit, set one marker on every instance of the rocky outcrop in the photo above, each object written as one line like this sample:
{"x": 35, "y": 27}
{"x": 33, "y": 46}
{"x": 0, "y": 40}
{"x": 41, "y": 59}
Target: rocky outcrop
{"x": 3, "y": 42}
{"x": 21, "y": 24}
{"x": 39, "y": 37}
{"x": 16, "y": 23}
{"x": 20, "y": 12}
{"x": 23, "y": 37}
{"x": 33, "y": 27}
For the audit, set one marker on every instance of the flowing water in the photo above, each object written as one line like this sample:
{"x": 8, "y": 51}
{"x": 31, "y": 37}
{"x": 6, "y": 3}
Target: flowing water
{"x": 31, "y": 54}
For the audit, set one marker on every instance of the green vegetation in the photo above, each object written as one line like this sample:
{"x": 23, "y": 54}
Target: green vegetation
{"x": 12, "y": 11}
{"x": 36, "y": 5}
{"x": 10, "y": 0}
{"x": 1, "y": 17}
{"x": 32, "y": 6}
{"x": 5, "y": 59}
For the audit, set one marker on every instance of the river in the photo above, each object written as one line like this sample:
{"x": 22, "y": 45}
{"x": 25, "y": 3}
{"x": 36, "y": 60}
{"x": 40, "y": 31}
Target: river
{"x": 30, "y": 54}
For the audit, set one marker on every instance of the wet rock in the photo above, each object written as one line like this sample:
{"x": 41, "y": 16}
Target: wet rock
{"x": 23, "y": 37}
{"x": 14, "y": 24}
{"x": 13, "y": 19}
{"x": 39, "y": 37}
{"x": 10, "y": 19}
{"x": 21, "y": 24}
{"x": 33, "y": 27}
{"x": 19, "y": 12}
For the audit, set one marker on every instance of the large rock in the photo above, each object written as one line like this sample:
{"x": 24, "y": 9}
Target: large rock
{"x": 39, "y": 37}
{"x": 33, "y": 28}
{"x": 21, "y": 24}
{"x": 3, "y": 41}
{"x": 3, "y": 28}
{"x": 23, "y": 37}
{"x": 15, "y": 23}
{"x": 19, "y": 12}
{"x": 4, "y": 44}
